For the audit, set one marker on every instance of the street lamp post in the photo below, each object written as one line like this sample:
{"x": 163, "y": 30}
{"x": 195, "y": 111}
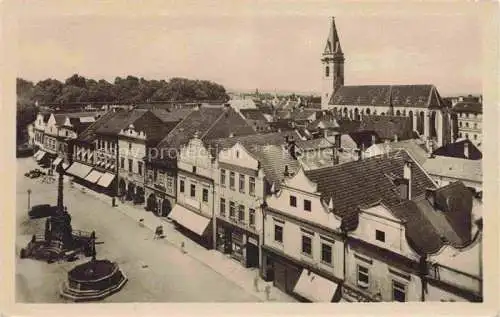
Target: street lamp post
{"x": 29, "y": 193}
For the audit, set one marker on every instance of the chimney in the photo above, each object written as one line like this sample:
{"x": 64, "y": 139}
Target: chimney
{"x": 231, "y": 135}
{"x": 286, "y": 173}
{"x": 335, "y": 155}
{"x": 373, "y": 139}
{"x": 466, "y": 149}
{"x": 407, "y": 174}
{"x": 430, "y": 195}
{"x": 395, "y": 138}
{"x": 360, "y": 154}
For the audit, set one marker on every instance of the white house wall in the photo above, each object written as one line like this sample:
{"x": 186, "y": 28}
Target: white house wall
{"x": 379, "y": 218}
{"x": 380, "y": 277}
{"x": 292, "y": 245}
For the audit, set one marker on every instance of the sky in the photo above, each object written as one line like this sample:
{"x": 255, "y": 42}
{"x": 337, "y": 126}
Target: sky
{"x": 244, "y": 52}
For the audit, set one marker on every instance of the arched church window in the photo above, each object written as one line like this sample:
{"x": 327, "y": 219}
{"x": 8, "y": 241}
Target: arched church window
{"x": 327, "y": 71}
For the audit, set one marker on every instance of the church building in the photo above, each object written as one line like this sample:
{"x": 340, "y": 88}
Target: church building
{"x": 431, "y": 117}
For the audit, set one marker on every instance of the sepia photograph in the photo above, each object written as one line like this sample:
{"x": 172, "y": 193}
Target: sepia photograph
{"x": 332, "y": 157}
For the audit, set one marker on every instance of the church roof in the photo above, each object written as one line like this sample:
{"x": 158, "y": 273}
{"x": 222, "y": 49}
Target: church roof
{"x": 420, "y": 96}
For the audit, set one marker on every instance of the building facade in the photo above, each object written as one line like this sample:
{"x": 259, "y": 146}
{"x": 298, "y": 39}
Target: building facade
{"x": 240, "y": 190}
{"x": 469, "y": 119}
{"x": 303, "y": 243}
{"x": 194, "y": 209}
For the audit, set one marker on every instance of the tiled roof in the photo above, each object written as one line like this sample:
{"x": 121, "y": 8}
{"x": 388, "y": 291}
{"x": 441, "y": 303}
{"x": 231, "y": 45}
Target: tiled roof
{"x": 387, "y": 127}
{"x": 209, "y": 123}
{"x": 174, "y": 115}
{"x": 89, "y": 134}
{"x": 363, "y": 138}
{"x": 422, "y": 96}
{"x": 266, "y": 148}
{"x": 154, "y": 128}
{"x": 282, "y": 124}
{"x": 417, "y": 151}
{"x": 314, "y": 144}
{"x": 121, "y": 120}
{"x": 365, "y": 182}
{"x": 448, "y": 222}
{"x": 348, "y": 126}
{"x": 253, "y": 140}
{"x": 60, "y": 118}
{"x": 469, "y": 107}
{"x": 253, "y": 114}
{"x": 302, "y": 114}
{"x": 274, "y": 159}
{"x": 84, "y": 114}
{"x": 229, "y": 123}
{"x": 456, "y": 168}
{"x": 200, "y": 121}
{"x": 457, "y": 150}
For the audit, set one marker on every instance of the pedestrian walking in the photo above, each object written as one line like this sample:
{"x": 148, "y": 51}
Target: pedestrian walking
{"x": 256, "y": 282}
{"x": 268, "y": 292}
{"x": 183, "y": 248}
{"x": 158, "y": 232}
{"x": 113, "y": 201}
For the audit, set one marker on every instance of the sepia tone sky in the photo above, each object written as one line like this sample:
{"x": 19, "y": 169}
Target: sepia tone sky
{"x": 268, "y": 52}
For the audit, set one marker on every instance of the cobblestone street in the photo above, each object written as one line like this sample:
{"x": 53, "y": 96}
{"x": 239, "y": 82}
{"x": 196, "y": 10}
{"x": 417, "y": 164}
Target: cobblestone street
{"x": 157, "y": 270}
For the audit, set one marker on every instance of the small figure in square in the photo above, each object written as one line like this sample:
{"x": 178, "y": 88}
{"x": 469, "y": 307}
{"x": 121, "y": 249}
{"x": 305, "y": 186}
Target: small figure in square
{"x": 268, "y": 292}
{"x": 256, "y": 282}
{"x": 159, "y": 232}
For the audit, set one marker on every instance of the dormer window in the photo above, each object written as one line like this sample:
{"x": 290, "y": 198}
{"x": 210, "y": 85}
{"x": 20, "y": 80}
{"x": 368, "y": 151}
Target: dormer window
{"x": 380, "y": 235}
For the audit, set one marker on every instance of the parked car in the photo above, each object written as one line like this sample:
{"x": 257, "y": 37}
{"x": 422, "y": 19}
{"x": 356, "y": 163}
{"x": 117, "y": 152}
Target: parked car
{"x": 41, "y": 211}
{"x": 34, "y": 173}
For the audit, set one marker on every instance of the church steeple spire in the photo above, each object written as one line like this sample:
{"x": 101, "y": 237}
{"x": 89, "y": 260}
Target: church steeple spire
{"x": 333, "y": 43}
{"x": 333, "y": 65}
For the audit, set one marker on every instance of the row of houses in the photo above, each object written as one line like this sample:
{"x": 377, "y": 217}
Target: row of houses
{"x": 325, "y": 219}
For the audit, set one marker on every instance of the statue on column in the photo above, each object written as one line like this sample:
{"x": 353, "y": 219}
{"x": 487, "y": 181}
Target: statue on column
{"x": 92, "y": 241}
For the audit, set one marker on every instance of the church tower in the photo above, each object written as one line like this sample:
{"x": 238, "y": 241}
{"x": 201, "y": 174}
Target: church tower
{"x": 332, "y": 62}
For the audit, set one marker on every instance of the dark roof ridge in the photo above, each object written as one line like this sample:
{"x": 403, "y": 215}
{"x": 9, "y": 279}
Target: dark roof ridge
{"x": 214, "y": 123}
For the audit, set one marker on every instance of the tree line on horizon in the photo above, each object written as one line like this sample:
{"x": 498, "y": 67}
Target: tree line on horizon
{"x": 124, "y": 90}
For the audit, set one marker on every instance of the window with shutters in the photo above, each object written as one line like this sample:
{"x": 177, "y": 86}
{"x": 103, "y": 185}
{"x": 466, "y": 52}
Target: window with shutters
{"x": 398, "y": 291}
{"x": 223, "y": 178}
{"x": 223, "y": 207}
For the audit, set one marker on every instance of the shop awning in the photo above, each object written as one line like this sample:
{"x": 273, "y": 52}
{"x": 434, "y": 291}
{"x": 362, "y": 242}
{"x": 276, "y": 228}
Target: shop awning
{"x": 57, "y": 161}
{"x": 79, "y": 170}
{"x": 40, "y": 156}
{"x": 94, "y": 176}
{"x": 189, "y": 219}
{"x": 106, "y": 180}
{"x": 315, "y": 288}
